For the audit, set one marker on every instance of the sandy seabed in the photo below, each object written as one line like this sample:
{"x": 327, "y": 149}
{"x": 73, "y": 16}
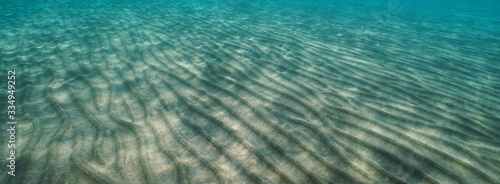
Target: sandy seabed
{"x": 165, "y": 92}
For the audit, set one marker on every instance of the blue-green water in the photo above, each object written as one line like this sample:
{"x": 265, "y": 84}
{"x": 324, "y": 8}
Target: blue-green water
{"x": 264, "y": 91}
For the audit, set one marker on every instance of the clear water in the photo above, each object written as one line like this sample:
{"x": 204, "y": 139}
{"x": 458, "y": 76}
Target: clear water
{"x": 263, "y": 91}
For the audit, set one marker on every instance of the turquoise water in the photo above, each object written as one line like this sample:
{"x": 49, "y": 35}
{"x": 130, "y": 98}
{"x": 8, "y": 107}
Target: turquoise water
{"x": 264, "y": 91}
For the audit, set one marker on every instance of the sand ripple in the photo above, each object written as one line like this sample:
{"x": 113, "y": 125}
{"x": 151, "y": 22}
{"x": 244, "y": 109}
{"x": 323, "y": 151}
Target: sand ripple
{"x": 173, "y": 93}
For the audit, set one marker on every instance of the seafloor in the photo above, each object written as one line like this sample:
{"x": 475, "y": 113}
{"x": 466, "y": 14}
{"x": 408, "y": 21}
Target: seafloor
{"x": 252, "y": 91}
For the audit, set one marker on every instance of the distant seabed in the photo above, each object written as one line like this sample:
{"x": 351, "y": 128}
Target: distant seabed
{"x": 252, "y": 91}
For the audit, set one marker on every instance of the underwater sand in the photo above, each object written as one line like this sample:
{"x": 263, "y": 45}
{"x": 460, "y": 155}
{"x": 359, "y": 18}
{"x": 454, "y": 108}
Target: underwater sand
{"x": 251, "y": 92}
